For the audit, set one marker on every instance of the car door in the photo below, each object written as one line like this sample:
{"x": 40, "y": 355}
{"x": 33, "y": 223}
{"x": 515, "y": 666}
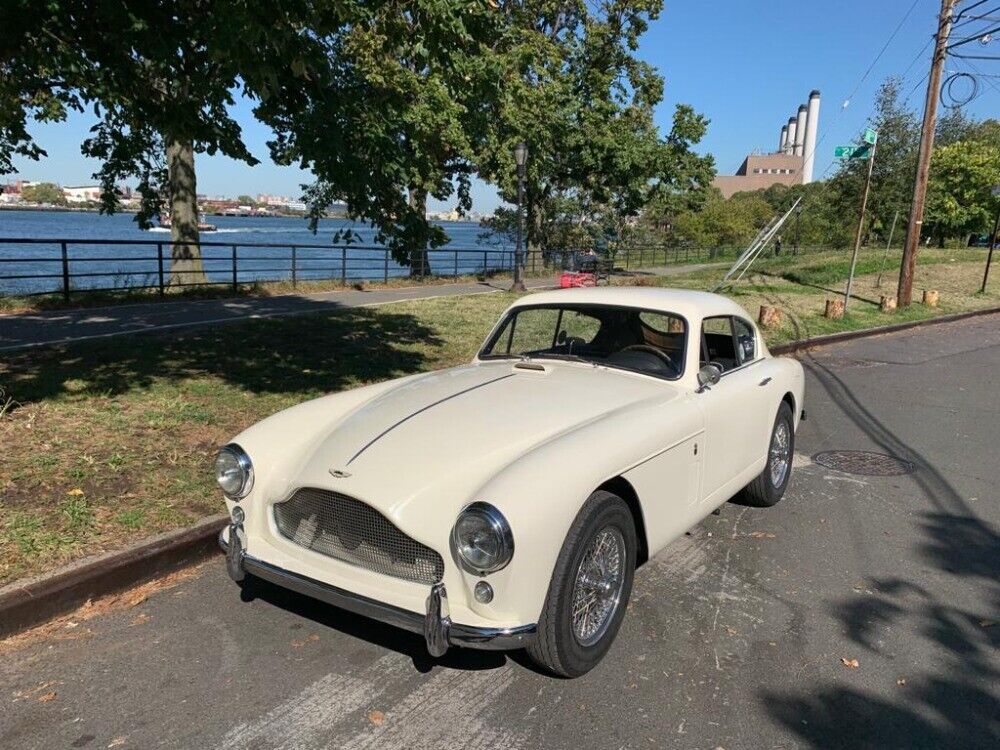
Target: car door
{"x": 733, "y": 408}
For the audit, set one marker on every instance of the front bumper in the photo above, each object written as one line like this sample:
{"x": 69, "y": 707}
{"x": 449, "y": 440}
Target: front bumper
{"x": 435, "y": 624}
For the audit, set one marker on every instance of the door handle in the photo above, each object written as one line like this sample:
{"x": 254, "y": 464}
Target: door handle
{"x": 765, "y": 381}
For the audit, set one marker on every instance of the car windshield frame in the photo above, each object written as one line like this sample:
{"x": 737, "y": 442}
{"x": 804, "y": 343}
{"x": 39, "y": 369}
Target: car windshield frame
{"x": 501, "y": 328}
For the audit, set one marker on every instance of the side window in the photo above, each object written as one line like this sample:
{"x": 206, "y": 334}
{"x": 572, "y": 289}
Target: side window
{"x": 746, "y": 340}
{"x": 717, "y": 343}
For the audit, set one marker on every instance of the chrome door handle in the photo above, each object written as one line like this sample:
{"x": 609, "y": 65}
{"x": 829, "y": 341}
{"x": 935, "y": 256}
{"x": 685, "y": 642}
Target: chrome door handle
{"x": 765, "y": 381}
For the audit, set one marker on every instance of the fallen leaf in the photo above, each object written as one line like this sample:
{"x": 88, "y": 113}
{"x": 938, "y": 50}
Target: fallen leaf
{"x": 75, "y": 491}
{"x": 46, "y": 697}
{"x": 298, "y": 644}
{"x": 117, "y": 742}
{"x": 731, "y": 631}
{"x": 852, "y": 663}
{"x": 141, "y": 619}
{"x": 761, "y": 535}
{"x": 901, "y": 681}
{"x": 376, "y": 717}
{"x": 313, "y": 637}
{"x": 987, "y": 623}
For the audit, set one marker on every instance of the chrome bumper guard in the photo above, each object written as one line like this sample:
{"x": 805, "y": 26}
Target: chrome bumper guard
{"x": 436, "y": 626}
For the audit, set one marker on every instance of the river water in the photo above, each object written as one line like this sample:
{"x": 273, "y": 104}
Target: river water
{"x": 121, "y": 265}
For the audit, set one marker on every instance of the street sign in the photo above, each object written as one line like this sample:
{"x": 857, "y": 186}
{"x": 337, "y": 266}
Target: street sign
{"x": 852, "y": 152}
{"x": 870, "y": 136}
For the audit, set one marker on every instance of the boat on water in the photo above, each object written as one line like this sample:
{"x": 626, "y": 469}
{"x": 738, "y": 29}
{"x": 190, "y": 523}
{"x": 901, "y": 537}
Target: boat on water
{"x": 202, "y": 225}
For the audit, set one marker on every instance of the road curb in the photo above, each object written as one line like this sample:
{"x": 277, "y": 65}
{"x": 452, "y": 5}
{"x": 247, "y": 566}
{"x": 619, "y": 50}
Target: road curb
{"x": 25, "y": 604}
{"x": 836, "y": 338}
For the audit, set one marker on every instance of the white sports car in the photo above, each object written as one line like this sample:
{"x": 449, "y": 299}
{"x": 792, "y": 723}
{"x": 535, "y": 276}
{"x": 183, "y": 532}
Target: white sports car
{"x": 505, "y": 503}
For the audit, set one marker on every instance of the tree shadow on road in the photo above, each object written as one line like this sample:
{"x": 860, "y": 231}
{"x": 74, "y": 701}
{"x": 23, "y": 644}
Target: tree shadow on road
{"x": 307, "y": 355}
{"x": 953, "y": 703}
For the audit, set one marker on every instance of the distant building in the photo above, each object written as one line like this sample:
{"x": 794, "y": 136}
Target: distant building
{"x": 82, "y": 193}
{"x": 791, "y": 164}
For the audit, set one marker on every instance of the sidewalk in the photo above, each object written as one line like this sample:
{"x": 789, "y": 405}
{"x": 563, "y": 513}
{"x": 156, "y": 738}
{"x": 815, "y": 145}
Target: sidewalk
{"x": 26, "y": 330}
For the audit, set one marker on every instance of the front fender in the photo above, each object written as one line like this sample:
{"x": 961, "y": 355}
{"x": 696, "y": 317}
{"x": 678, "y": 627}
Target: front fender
{"x": 542, "y": 492}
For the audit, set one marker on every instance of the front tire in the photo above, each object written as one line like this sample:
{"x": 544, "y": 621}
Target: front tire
{"x": 769, "y": 486}
{"x": 590, "y": 588}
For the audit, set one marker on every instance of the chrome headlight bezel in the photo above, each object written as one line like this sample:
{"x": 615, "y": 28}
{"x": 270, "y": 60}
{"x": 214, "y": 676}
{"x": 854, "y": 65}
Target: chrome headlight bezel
{"x": 493, "y": 522}
{"x": 245, "y": 466}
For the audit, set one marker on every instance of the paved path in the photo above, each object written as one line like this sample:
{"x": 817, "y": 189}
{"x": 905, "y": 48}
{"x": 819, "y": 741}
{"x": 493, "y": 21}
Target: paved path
{"x": 25, "y": 330}
{"x": 733, "y": 639}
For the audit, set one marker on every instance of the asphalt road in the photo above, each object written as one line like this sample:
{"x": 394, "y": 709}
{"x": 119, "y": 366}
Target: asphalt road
{"x": 26, "y": 330}
{"x": 734, "y": 639}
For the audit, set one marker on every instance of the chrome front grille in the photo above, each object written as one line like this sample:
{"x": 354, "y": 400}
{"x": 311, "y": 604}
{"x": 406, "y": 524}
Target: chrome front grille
{"x": 351, "y": 531}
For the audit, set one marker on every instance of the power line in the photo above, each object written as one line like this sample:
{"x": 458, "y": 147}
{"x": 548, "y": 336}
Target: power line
{"x": 884, "y": 48}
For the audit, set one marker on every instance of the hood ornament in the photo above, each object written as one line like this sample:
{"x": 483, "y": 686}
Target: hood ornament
{"x": 339, "y": 474}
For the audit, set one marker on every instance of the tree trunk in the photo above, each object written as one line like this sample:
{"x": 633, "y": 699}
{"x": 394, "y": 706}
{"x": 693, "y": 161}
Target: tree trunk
{"x": 185, "y": 259}
{"x": 420, "y": 264}
{"x": 536, "y": 258}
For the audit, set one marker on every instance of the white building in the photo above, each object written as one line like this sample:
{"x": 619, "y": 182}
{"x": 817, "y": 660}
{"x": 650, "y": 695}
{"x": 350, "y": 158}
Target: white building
{"x": 82, "y": 193}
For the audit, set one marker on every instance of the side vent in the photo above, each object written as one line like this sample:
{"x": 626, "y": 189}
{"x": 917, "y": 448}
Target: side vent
{"x": 529, "y": 366}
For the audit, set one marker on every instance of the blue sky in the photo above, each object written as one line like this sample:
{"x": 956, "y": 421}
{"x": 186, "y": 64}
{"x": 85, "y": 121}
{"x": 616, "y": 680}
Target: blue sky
{"x": 746, "y": 65}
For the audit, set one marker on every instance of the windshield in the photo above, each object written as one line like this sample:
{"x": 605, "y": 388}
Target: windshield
{"x": 629, "y": 338}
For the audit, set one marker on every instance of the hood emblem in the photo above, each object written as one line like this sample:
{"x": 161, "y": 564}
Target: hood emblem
{"x": 339, "y": 474}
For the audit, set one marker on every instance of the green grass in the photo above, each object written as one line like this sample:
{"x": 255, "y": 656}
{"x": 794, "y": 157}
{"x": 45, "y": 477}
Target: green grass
{"x": 108, "y": 441}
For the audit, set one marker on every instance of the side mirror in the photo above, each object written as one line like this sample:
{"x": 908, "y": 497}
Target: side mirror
{"x": 708, "y": 375}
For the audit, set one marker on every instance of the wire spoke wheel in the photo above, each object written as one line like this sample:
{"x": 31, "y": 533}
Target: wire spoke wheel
{"x": 780, "y": 453}
{"x": 597, "y": 589}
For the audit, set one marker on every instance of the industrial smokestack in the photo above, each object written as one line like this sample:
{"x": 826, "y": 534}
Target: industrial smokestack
{"x": 800, "y": 130}
{"x": 809, "y": 143}
{"x": 790, "y": 141}
{"x": 783, "y": 140}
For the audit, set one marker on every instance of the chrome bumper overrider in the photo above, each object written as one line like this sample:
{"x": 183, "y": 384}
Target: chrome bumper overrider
{"x": 436, "y": 626}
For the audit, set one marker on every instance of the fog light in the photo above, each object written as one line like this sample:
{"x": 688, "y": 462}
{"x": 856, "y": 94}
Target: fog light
{"x": 483, "y": 592}
{"x": 238, "y": 515}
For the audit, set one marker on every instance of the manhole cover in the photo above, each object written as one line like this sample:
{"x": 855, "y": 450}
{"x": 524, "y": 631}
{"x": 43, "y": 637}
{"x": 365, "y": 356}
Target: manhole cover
{"x": 866, "y": 463}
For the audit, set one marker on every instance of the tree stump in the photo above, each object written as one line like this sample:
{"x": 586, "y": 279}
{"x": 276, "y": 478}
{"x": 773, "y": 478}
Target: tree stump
{"x": 931, "y": 297}
{"x": 834, "y": 308}
{"x": 769, "y": 317}
{"x": 887, "y": 304}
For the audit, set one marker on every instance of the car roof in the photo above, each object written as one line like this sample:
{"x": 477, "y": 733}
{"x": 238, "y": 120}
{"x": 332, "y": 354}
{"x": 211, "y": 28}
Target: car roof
{"x": 687, "y": 303}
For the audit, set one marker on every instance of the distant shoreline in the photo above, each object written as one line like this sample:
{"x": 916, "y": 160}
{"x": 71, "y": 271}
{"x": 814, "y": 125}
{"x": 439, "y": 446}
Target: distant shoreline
{"x": 75, "y": 210}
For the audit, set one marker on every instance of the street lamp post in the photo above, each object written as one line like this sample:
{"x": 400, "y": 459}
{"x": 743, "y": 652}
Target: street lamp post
{"x": 520, "y": 158}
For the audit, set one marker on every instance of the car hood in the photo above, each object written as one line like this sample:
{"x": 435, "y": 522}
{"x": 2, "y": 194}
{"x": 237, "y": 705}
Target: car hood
{"x": 447, "y": 433}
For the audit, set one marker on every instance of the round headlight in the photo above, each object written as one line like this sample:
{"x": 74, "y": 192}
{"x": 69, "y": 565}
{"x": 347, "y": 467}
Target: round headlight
{"x": 234, "y": 471}
{"x": 483, "y": 538}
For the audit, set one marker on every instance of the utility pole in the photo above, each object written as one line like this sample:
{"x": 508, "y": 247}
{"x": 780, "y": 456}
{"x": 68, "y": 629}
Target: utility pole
{"x": 904, "y": 293}
{"x": 861, "y": 224}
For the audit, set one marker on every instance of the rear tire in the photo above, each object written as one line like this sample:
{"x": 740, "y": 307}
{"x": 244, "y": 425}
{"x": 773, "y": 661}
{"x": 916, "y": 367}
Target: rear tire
{"x": 594, "y": 569}
{"x": 769, "y": 486}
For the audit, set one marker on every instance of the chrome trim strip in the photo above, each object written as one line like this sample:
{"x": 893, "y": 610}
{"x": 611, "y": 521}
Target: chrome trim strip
{"x": 487, "y": 639}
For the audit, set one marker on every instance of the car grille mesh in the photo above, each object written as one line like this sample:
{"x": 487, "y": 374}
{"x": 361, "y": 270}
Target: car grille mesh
{"x": 347, "y": 529}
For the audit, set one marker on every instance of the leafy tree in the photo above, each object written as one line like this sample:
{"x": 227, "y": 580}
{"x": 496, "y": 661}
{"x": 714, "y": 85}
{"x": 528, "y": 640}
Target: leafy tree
{"x": 959, "y": 200}
{"x": 44, "y": 192}
{"x": 577, "y": 95}
{"x": 953, "y": 126}
{"x": 246, "y": 200}
{"x": 394, "y": 120}
{"x": 160, "y": 84}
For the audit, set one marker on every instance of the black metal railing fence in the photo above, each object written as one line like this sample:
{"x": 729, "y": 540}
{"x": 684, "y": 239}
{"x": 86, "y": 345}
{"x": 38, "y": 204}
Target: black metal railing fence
{"x": 31, "y": 266}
